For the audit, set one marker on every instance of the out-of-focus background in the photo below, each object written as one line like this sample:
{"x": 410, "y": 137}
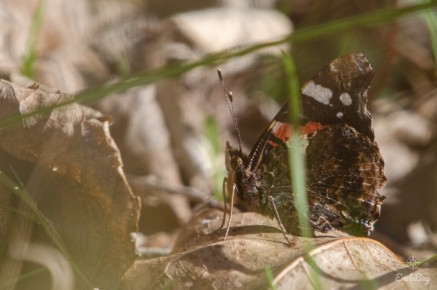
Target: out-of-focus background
{"x": 171, "y": 126}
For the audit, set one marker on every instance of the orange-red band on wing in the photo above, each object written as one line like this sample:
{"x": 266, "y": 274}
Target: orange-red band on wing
{"x": 282, "y": 131}
{"x": 311, "y": 127}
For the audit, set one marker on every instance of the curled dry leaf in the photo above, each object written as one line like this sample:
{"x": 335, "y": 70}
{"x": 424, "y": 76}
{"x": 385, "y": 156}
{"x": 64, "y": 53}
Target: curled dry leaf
{"x": 202, "y": 259}
{"x": 81, "y": 187}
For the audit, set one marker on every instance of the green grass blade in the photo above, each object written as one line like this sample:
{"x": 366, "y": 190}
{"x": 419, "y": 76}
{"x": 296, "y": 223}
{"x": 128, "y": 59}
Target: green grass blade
{"x": 269, "y": 276}
{"x": 296, "y": 151}
{"x": 174, "y": 70}
{"x": 218, "y": 172}
{"x": 22, "y": 193}
{"x": 428, "y": 260}
{"x": 14, "y": 210}
{"x": 28, "y": 65}
{"x": 364, "y": 20}
{"x": 24, "y": 277}
{"x": 431, "y": 22}
{"x": 297, "y": 165}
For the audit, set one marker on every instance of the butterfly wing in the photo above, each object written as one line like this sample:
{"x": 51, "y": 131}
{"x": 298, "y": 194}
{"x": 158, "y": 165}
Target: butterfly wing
{"x": 345, "y": 169}
{"x": 343, "y": 180}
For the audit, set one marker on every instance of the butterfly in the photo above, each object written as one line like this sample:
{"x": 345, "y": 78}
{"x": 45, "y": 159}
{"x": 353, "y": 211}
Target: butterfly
{"x": 344, "y": 168}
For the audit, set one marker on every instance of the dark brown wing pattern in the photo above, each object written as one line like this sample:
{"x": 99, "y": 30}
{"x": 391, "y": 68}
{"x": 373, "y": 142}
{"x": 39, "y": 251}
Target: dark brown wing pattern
{"x": 344, "y": 167}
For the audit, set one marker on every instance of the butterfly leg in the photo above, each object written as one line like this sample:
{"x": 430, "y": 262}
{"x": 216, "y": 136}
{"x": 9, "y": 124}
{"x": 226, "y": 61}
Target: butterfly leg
{"x": 231, "y": 206}
{"x": 281, "y": 225}
{"x": 224, "y": 191}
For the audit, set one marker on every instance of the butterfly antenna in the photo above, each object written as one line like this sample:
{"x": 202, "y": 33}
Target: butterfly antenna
{"x": 229, "y": 99}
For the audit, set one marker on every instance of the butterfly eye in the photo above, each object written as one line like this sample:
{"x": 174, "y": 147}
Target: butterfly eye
{"x": 237, "y": 162}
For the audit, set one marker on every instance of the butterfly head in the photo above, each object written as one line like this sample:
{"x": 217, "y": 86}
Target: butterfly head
{"x": 234, "y": 159}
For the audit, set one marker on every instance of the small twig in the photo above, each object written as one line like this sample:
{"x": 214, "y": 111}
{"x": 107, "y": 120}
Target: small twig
{"x": 152, "y": 182}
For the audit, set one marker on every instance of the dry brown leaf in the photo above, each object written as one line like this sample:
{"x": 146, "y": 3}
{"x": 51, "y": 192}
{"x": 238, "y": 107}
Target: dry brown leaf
{"x": 355, "y": 263}
{"x": 203, "y": 260}
{"x": 79, "y": 186}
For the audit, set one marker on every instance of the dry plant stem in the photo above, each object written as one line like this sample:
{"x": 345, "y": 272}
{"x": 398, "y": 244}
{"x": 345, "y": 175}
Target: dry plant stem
{"x": 284, "y": 232}
{"x": 154, "y": 183}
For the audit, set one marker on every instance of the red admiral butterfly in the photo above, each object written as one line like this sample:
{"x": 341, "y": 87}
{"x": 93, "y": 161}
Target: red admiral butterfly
{"x": 344, "y": 166}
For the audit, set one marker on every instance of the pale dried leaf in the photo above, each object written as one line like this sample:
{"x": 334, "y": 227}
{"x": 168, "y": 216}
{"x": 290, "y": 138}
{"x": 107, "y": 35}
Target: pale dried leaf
{"x": 81, "y": 185}
{"x": 202, "y": 259}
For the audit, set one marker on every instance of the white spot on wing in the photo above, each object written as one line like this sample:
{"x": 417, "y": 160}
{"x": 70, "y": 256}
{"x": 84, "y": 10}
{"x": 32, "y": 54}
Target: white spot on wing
{"x": 339, "y": 115}
{"x": 318, "y": 92}
{"x": 346, "y": 99}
